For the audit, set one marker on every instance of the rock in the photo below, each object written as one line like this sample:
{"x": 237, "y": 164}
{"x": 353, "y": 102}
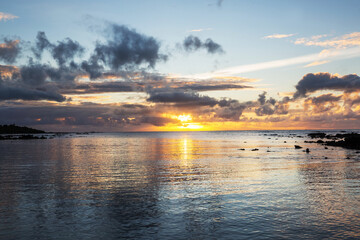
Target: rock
{"x": 255, "y": 149}
{"x": 297, "y": 147}
{"x": 351, "y": 141}
{"x": 307, "y": 150}
{"x": 317, "y": 135}
{"x": 242, "y": 149}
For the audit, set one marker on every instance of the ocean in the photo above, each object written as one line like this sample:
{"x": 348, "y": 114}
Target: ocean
{"x": 178, "y": 185}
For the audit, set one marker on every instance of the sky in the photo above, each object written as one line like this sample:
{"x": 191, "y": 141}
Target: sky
{"x": 180, "y": 65}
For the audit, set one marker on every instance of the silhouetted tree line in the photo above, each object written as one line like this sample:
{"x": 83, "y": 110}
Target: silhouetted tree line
{"x": 13, "y": 129}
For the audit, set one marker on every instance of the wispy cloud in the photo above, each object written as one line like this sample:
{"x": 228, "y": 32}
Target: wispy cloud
{"x": 200, "y": 30}
{"x": 336, "y": 54}
{"x": 316, "y": 63}
{"x": 277, "y": 36}
{"x": 344, "y": 41}
{"x": 7, "y": 16}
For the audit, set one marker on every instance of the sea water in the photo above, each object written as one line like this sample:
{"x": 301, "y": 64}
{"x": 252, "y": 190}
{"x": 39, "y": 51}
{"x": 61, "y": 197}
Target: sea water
{"x": 178, "y": 185}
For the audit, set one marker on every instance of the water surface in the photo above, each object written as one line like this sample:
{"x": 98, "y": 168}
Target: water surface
{"x": 195, "y": 185}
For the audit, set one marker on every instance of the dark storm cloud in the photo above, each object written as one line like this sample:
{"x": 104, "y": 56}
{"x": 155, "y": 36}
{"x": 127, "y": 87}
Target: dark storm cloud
{"x": 193, "y": 43}
{"x": 62, "y": 52}
{"x": 29, "y": 83}
{"x": 137, "y": 114}
{"x": 322, "y": 103}
{"x": 139, "y": 86}
{"x": 103, "y": 87}
{"x": 180, "y": 98}
{"x": 265, "y": 110}
{"x": 22, "y": 93}
{"x": 68, "y": 115}
{"x": 41, "y": 44}
{"x": 271, "y": 106}
{"x": 325, "y": 81}
{"x": 9, "y": 50}
{"x": 125, "y": 48}
{"x": 228, "y": 109}
{"x": 35, "y": 74}
{"x": 86, "y": 114}
{"x": 92, "y": 67}
{"x": 155, "y": 120}
{"x": 325, "y": 98}
{"x": 66, "y": 50}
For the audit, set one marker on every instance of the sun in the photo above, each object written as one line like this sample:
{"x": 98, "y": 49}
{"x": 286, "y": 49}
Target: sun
{"x": 185, "y": 123}
{"x": 184, "y": 118}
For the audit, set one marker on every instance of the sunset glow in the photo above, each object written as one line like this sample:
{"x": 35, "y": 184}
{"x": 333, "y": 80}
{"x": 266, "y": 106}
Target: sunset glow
{"x": 124, "y": 76}
{"x": 180, "y": 119}
{"x": 184, "y": 118}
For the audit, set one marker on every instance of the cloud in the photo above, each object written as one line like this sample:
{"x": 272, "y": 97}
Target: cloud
{"x": 212, "y": 86}
{"x": 271, "y": 106}
{"x": 333, "y": 55}
{"x": 125, "y": 48}
{"x": 325, "y": 81}
{"x": 230, "y": 109}
{"x": 139, "y": 86}
{"x": 225, "y": 108}
{"x": 278, "y": 36}
{"x": 200, "y": 30}
{"x": 23, "y": 93}
{"x": 316, "y": 63}
{"x": 33, "y": 82}
{"x": 180, "y": 98}
{"x": 9, "y": 50}
{"x": 62, "y": 52}
{"x": 11, "y": 89}
{"x": 58, "y": 115}
{"x": 66, "y": 50}
{"x": 322, "y": 103}
{"x": 325, "y": 98}
{"x": 84, "y": 116}
{"x": 192, "y": 43}
{"x": 41, "y": 43}
{"x": 7, "y": 16}
{"x": 35, "y": 74}
{"x": 344, "y": 41}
